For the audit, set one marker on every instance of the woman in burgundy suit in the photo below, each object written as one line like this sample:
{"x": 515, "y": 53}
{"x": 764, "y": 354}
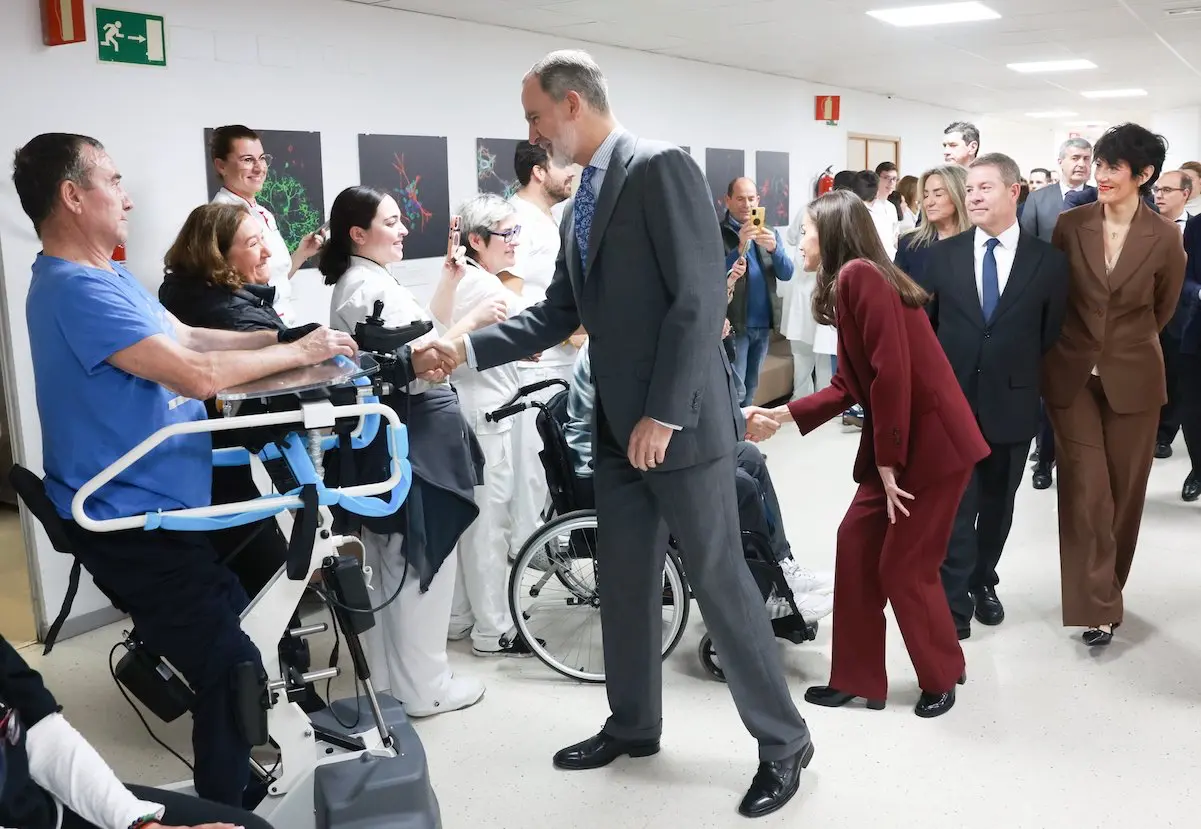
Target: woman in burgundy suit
{"x": 919, "y": 445}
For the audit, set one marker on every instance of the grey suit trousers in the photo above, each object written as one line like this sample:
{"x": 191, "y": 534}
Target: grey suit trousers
{"x": 634, "y": 512}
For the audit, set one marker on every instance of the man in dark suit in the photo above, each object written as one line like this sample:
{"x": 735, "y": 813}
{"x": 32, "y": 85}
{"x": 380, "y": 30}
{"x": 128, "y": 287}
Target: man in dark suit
{"x": 999, "y": 299}
{"x": 640, "y": 267}
{"x": 1038, "y": 219}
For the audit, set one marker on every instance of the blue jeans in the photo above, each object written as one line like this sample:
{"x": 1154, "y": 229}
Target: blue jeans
{"x": 750, "y": 348}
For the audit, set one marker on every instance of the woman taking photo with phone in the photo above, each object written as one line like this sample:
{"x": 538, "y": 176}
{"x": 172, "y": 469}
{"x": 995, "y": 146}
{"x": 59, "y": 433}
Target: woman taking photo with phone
{"x": 413, "y": 550}
{"x": 919, "y": 445}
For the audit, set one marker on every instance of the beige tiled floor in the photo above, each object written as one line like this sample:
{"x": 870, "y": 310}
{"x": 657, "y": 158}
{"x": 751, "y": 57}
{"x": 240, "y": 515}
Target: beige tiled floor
{"x": 1045, "y": 734}
{"x": 16, "y": 604}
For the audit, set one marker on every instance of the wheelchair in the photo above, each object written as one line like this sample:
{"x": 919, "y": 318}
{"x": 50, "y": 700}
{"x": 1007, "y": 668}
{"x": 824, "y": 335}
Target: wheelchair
{"x": 554, "y": 595}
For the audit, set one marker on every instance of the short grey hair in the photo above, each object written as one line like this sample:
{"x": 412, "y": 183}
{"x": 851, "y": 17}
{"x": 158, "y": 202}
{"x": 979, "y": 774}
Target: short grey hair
{"x": 480, "y": 215}
{"x": 1186, "y": 181}
{"x": 572, "y": 70}
{"x": 1011, "y": 174}
{"x": 1073, "y": 144}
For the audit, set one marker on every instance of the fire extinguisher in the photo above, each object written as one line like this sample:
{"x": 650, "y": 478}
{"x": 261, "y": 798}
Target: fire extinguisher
{"x": 825, "y": 182}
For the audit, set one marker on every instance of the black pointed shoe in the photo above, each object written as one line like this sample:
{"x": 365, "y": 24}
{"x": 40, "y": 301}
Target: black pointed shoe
{"x": 1042, "y": 478}
{"x": 989, "y": 610}
{"x": 1191, "y": 490}
{"x": 935, "y": 705}
{"x": 833, "y": 698}
{"x": 601, "y": 750}
{"x": 775, "y": 783}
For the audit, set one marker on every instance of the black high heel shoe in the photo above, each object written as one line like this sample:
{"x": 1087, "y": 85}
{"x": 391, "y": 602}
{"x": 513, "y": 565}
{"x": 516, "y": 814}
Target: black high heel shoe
{"x": 833, "y": 698}
{"x": 1096, "y": 638}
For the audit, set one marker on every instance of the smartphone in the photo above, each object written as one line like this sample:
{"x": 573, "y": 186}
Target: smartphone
{"x": 759, "y": 216}
{"x": 452, "y": 243}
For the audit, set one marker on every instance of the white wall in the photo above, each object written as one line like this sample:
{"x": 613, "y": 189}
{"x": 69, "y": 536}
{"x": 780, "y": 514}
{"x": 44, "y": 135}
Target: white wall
{"x": 1029, "y": 144}
{"x": 343, "y": 69}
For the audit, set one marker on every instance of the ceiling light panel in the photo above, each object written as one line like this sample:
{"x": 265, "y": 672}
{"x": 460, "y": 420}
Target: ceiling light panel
{"x": 936, "y": 15}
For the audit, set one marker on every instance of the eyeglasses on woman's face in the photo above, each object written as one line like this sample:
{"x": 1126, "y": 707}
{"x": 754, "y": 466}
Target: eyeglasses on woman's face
{"x": 510, "y": 236}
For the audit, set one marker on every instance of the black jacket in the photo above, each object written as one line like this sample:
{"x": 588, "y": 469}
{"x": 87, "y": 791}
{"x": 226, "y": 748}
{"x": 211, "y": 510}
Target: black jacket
{"x": 23, "y": 803}
{"x": 998, "y": 363}
{"x": 736, "y": 310}
{"x": 201, "y": 304}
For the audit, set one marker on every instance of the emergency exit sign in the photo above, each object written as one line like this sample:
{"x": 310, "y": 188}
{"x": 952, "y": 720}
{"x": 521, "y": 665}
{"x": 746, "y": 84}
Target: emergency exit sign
{"x": 130, "y": 37}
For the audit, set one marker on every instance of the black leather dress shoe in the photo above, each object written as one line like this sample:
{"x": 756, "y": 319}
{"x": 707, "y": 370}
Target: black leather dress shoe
{"x": 1192, "y": 488}
{"x": 833, "y": 698}
{"x": 601, "y": 750}
{"x": 963, "y": 631}
{"x": 989, "y": 610}
{"x": 775, "y": 783}
{"x": 1042, "y": 478}
{"x": 1163, "y": 450}
{"x": 935, "y": 705}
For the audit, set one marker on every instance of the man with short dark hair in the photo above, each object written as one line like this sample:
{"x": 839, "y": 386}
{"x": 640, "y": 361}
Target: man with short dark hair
{"x": 112, "y": 367}
{"x": 960, "y": 143}
{"x": 1040, "y": 177}
{"x": 998, "y": 302}
{"x": 758, "y": 253}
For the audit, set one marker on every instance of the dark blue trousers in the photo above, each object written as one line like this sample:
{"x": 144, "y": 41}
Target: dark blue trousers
{"x": 185, "y": 608}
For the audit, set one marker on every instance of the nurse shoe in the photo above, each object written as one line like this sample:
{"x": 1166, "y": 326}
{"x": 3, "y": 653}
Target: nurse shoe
{"x": 462, "y": 692}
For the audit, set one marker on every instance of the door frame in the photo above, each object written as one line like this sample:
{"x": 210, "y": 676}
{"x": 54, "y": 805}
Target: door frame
{"x": 865, "y": 137}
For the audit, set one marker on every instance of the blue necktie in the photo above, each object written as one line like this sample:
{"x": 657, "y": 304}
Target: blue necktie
{"x": 990, "y": 291}
{"x": 585, "y": 206}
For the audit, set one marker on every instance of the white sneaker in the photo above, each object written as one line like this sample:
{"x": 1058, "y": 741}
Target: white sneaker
{"x": 803, "y": 581}
{"x": 463, "y": 692}
{"x": 814, "y": 606}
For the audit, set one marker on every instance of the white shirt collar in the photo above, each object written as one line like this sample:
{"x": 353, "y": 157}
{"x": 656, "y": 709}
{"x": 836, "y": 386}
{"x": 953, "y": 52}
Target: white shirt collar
{"x": 1008, "y": 237}
{"x": 604, "y": 153}
{"x": 370, "y": 264}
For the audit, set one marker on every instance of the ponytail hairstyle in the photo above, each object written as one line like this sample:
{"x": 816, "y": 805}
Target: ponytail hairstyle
{"x": 354, "y": 207}
{"x": 845, "y": 233}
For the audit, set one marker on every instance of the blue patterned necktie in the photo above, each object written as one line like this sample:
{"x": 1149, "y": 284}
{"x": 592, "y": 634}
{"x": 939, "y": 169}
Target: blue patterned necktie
{"x": 990, "y": 291}
{"x": 585, "y": 206}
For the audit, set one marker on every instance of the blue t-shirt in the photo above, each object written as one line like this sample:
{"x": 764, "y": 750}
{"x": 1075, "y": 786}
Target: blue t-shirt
{"x": 91, "y": 412}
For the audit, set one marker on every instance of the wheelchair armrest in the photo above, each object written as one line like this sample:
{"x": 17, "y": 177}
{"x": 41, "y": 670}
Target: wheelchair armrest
{"x": 32, "y": 491}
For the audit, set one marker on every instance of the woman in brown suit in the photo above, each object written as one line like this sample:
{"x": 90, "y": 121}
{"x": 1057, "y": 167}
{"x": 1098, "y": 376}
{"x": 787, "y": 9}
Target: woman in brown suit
{"x": 1104, "y": 379}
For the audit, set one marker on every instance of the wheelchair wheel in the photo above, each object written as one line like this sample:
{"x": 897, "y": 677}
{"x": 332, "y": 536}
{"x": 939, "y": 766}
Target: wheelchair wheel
{"x": 709, "y": 660}
{"x": 555, "y": 598}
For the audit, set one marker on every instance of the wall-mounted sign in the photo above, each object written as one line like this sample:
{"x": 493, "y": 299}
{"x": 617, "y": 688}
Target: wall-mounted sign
{"x": 63, "y": 22}
{"x": 130, "y": 37}
{"x": 828, "y": 107}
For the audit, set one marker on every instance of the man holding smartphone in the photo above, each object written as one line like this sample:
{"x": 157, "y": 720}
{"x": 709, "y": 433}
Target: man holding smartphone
{"x": 758, "y": 251}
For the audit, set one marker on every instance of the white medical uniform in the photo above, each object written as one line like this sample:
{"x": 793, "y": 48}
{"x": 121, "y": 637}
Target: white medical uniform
{"x": 535, "y": 265}
{"x": 481, "y": 591}
{"x": 797, "y": 324}
{"x": 407, "y": 646}
{"x": 280, "y": 263}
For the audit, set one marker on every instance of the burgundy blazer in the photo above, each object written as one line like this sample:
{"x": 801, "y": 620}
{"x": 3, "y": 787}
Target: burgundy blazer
{"x": 890, "y": 362}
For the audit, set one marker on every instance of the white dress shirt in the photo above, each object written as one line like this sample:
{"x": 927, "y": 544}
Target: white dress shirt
{"x": 534, "y": 264}
{"x": 1004, "y": 253}
{"x": 356, "y": 293}
{"x": 884, "y": 217}
{"x": 280, "y": 263}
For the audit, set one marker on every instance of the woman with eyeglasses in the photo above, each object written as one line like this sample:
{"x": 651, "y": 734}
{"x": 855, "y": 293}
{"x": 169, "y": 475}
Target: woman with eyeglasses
{"x": 242, "y": 166}
{"x": 413, "y": 550}
{"x": 481, "y": 609}
{"x": 52, "y": 778}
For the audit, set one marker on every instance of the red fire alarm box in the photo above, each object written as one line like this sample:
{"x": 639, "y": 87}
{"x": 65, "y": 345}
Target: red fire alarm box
{"x": 63, "y": 22}
{"x": 828, "y": 107}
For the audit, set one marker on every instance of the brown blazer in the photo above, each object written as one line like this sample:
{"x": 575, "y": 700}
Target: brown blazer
{"x": 1113, "y": 321}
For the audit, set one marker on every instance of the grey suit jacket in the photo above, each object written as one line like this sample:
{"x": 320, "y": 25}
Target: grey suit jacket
{"x": 652, "y": 299}
{"x": 1042, "y": 211}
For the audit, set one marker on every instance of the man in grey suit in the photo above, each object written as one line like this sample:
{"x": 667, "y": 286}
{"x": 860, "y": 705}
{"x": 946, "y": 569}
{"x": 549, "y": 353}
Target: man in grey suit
{"x": 1045, "y": 204}
{"x": 641, "y": 267}
{"x": 1038, "y": 219}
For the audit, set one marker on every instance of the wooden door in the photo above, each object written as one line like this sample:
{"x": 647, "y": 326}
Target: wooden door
{"x": 864, "y": 152}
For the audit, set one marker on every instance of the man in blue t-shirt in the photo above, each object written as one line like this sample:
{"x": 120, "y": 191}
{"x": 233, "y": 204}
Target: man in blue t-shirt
{"x": 112, "y": 367}
{"x": 756, "y": 258}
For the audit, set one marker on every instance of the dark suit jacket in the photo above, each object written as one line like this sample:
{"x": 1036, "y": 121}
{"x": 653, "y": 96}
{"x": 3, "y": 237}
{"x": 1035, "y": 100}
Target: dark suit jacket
{"x": 914, "y": 415}
{"x": 998, "y": 363}
{"x": 1190, "y": 295}
{"x": 649, "y": 301}
{"x": 1113, "y": 320}
{"x": 1044, "y": 206}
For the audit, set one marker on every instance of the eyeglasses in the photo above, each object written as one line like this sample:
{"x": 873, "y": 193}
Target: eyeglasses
{"x": 251, "y": 161}
{"x": 510, "y": 235}
{"x": 1155, "y": 191}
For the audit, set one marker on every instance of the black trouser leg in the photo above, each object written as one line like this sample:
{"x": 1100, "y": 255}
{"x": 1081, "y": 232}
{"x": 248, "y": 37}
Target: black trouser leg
{"x": 999, "y": 476}
{"x": 765, "y": 510}
{"x": 181, "y": 810}
{"x": 960, "y": 563}
{"x": 1189, "y": 378}
{"x": 1046, "y": 441}
{"x": 1169, "y": 414}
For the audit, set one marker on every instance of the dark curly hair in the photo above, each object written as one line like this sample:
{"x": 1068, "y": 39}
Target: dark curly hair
{"x": 1135, "y": 146}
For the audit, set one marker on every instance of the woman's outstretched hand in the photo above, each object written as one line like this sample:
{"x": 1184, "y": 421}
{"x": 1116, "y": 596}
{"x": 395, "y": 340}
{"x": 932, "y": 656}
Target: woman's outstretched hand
{"x": 894, "y": 493}
{"x": 780, "y": 414}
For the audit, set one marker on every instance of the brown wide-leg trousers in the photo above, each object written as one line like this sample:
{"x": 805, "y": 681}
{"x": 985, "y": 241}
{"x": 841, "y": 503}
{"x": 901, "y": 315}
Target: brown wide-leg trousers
{"x": 1104, "y": 461}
